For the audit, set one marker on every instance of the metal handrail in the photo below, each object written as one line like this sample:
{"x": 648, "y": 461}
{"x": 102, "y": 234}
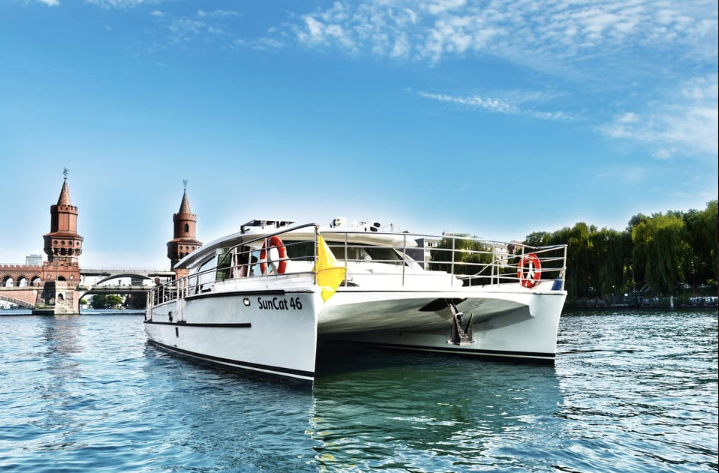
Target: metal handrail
{"x": 474, "y": 262}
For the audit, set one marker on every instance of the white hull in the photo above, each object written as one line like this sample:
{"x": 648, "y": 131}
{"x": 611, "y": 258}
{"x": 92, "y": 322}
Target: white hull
{"x": 269, "y": 335}
{"x": 505, "y": 325}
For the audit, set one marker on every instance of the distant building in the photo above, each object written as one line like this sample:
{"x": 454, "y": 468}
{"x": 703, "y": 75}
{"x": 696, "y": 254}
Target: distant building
{"x": 422, "y": 253}
{"x": 33, "y": 260}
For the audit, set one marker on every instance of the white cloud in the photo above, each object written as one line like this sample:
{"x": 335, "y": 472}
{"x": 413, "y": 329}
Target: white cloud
{"x": 664, "y": 153}
{"x": 628, "y": 117}
{"x": 121, "y": 3}
{"x": 184, "y": 28}
{"x": 203, "y": 24}
{"x": 262, "y": 43}
{"x": 701, "y": 88}
{"x": 218, "y": 14}
{"x": 51, "y": 3}
{"x": 552, "y": 31}
{"x": 686, "y": 125}
{"x": 496, "y": 106}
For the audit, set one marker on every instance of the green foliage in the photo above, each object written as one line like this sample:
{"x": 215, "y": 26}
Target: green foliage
{"x": 102, "y": 301}
{"x": 663, "y": 251}
{"x": 469, "y": 256}
{"x": 663, "y": 244}
{"x": 136, "y": 300}
{"x": 611, "y": 252}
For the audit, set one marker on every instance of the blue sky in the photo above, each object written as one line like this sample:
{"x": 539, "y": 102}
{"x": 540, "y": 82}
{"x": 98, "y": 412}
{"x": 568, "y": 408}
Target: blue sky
{"x": 496, "y": 118}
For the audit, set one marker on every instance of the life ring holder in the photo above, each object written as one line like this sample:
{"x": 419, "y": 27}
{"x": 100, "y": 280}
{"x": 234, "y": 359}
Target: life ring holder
{"x": 275, "y": 242}
{"x": 530, "y": 277}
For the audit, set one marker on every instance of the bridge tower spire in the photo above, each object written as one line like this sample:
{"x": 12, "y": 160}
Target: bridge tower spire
{"x": 63, "y": 245}
{"x": 184, "y": 240}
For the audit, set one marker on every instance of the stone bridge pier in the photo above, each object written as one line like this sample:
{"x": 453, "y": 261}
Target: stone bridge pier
{"x": 50, "y": 298}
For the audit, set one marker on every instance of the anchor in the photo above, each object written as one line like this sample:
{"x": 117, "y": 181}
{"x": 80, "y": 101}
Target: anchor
{"x": 458, "y": 335}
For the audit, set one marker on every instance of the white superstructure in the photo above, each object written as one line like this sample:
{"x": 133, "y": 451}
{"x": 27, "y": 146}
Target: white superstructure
{"x": 259, "y": 299}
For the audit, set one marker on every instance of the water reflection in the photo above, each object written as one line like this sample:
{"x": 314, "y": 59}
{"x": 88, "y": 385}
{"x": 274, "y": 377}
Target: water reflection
{"x": 57, "y": 387}
{"x": 419, "y": 412}
{"x": 212, "y": 420}
{"x": 629, "y": 392}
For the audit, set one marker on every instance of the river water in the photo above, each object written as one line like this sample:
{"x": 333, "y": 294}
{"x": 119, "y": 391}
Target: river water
{"x": 630, "y": 392}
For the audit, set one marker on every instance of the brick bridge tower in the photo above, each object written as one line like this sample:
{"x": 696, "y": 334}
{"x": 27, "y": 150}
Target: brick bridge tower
{"x": 184, "y": 240}
{"x": 63, "y": 246}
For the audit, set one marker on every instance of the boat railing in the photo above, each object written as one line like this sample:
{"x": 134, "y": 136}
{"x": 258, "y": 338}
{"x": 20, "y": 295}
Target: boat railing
{"x": 238, "y": 262}
{"x": 467, "y": 261}
{"x": 478, "y": 262}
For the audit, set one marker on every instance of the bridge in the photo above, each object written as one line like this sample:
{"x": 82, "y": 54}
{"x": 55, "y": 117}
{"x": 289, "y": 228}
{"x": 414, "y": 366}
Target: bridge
{"x": 56, "y": 285}
{"x": 28, "y": 293}
{"x": 115, "y": 273}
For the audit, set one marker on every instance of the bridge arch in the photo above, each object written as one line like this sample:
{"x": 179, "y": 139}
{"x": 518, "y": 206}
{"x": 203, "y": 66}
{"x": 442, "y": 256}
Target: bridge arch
{"x": 130, "y": 275}
{"x": 19, "y": 302}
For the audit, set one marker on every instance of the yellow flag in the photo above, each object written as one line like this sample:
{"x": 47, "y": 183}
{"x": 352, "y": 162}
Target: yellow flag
{"x": 329, "y": 274}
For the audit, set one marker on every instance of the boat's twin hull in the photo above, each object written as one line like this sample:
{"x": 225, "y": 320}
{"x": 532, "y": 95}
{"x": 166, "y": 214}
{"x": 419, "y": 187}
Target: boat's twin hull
{"x": 276, "y": 332}
{"x": 505, "y": 324}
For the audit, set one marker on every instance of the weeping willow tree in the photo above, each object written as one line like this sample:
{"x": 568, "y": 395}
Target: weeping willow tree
{"x": 703, "y": 230}
{"x": 578, "y": 277}
{"x": 463, "y": 254}
{"x": 660, "y": 243}
{"x": 611, "y": 251}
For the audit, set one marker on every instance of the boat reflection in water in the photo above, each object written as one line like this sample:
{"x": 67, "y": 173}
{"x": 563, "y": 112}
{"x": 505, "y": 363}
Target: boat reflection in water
{"x": 431, "y": 413}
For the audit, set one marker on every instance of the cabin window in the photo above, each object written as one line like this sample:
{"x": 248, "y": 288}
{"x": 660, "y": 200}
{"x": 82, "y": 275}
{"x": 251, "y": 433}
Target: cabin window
{"x": 206, "y": 275}
{"x": 364, "y": 253}
{"x": 382, "y": 254}
{"x": 300, "y": 250}
{"x": 223, "y": 266}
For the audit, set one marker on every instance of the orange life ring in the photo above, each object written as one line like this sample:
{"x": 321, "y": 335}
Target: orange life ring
{"x": 275, "y": 242}
{"x": 530, "y": 277}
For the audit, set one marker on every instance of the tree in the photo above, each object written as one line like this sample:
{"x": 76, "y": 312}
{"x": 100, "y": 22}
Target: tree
{"x": 608, "y": 252}
{"x": 709, "y": 231}
{"x": 463, "y": 254}
{"x": 102, "y": 301}
{"x": 661, "y": 244}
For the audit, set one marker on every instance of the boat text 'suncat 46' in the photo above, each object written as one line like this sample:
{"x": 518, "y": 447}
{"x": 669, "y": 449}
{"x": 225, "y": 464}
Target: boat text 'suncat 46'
{"x": 260, "y": 299}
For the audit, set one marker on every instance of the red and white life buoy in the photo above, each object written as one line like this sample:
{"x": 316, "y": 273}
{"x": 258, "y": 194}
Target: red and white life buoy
{"x": 529, "y": 270}
{"x": 281, "y": 266}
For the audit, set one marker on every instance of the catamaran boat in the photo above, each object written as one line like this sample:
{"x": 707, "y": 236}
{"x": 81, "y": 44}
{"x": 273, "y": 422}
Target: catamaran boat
{"x": 261, "y": 299}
